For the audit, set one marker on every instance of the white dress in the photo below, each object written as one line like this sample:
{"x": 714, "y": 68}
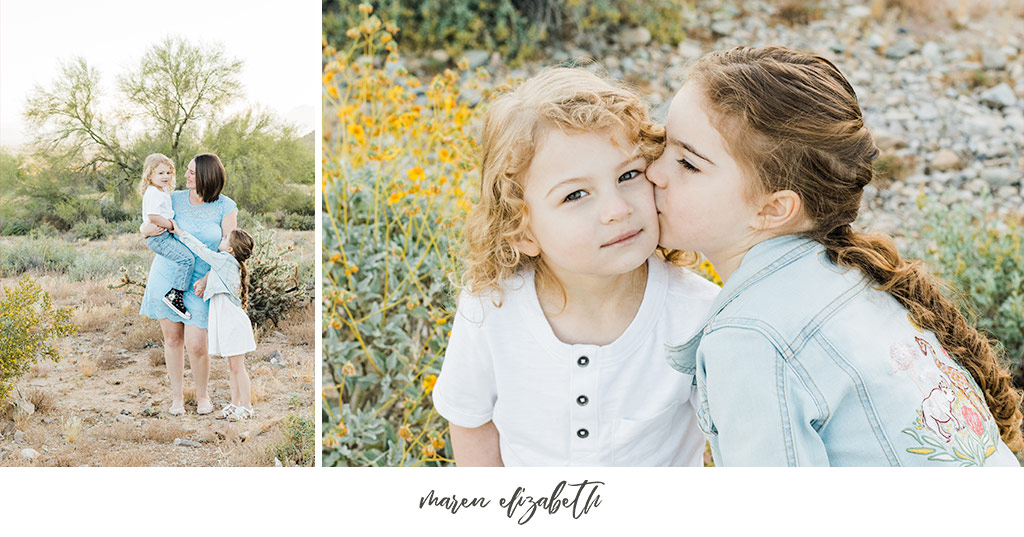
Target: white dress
{"x": 229, "y": 328}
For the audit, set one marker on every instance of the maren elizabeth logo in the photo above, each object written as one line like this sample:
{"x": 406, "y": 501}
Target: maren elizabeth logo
{"x": 575, "y": 498}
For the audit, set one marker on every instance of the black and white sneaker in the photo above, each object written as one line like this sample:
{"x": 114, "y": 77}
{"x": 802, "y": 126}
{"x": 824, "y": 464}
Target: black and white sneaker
{"x": 176, "y": 301}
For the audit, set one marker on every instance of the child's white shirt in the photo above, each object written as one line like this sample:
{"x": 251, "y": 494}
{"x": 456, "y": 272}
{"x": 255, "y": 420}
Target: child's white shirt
{"x": 505, "y": 364}
{"x": 156, "y": 201}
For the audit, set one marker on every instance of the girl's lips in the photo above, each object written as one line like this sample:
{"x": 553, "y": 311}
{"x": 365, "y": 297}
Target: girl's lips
{"x": 625, "y": 238}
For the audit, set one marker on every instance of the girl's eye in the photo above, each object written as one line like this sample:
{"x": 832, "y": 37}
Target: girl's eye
{"x": 687, "y": 166}
{"x": 631, "y": 174}
{"x": 575, "y": 195}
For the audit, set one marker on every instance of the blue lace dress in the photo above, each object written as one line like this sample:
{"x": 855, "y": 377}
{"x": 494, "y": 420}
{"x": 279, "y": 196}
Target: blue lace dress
{"x": 204, "y": 223}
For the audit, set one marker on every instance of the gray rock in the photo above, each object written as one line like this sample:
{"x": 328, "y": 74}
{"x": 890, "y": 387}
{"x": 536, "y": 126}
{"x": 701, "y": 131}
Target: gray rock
{"x": 944, "y": 160}
{"x": 477, "y": 58}
{"x": 858, "y": 12}
{"x": 439, "y": 56}
{"x": 277, "y": 463}
{"x": 634, "y": 37}
{"x": 275, "y": 357}
{"x": 993, "y": 58}
{"x": 19, "y": 437}
{"x": 29, "y": 453}
{"x": 875, "y": 41}
{"x": 3, "y": 453}
{"x": 927, "y": 112}
{"x": 901, "y": 49}
{"x": 186, "y": 443}
{"x": 723, "y": 28}
{"x": 996, "y": 177}
{"x": 689, "y": 50}
{"x": 932, "y": 52}
{"x": 21, "y": 408}
{"x": 999, "y": 96}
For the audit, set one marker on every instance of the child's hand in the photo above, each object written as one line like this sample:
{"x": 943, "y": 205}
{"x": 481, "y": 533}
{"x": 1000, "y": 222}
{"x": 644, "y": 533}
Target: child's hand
{"x": 174, "y": 227}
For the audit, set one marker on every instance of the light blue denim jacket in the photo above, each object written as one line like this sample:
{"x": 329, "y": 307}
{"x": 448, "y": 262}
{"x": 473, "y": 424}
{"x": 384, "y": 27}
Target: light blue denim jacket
{"x": 802, "y": 362}
{"x": 224, "y": 276}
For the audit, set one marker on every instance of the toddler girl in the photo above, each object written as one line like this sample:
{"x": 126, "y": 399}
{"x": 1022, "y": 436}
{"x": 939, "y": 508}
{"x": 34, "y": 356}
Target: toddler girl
{"x": 557, "y": 353}
{"x": 156, "y": 187}
{"x": 230, "y": 332}
{"x": 824, "y": 347}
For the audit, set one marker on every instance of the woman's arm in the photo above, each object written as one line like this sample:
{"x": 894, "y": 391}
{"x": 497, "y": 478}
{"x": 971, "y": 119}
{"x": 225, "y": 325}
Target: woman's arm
{"x": 229, "y": 223}
{"x": 476, "y": 447}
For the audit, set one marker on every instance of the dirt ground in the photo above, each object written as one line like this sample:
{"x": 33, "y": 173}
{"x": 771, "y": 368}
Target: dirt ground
{"x": 105, "y": 402}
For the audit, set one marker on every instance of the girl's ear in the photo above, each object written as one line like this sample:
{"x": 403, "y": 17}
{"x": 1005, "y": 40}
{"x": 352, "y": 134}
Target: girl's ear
{"x": 526, "y": 245}
{"x": 781, "y": 210}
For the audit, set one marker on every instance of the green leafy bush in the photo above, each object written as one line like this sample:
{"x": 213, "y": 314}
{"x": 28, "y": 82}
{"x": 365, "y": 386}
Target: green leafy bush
{"x": 982, "y": 258}
{"x": 92, "y": 229}
{"x": 299, "y": 445}
{"x": 515, "y": 29}
{"x": 299, "y": 222}
{"x": 29, "y": 327}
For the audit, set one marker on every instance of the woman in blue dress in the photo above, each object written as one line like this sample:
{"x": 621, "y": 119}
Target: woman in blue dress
{"x": 208, "y": 215}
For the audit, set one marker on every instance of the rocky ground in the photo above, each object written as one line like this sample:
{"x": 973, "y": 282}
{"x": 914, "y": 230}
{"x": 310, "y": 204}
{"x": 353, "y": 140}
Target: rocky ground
{"x": 105, "y": 402}
{"x": 941, "y": 90}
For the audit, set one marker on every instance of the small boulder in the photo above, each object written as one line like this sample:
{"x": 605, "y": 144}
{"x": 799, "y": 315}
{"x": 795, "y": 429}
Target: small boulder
{"x": 634, "y": 37}
{"x": 29, "y": 453}
{"x": 945, "y": 160}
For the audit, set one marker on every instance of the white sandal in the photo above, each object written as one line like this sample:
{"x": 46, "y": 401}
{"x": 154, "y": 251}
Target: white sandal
{"x": 176, "y": 410}
{"x": 204, "y": 409}
{"x": 241, "y": 413}
{"x": 226, "y": 412}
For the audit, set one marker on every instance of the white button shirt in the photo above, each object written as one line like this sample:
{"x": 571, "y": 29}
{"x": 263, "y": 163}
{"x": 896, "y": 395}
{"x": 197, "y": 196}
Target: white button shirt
{"x": 556, "y": 404}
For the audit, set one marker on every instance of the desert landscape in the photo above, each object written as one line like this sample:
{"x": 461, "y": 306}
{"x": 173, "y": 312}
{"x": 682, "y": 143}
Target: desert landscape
{"x": 105, "y": 402}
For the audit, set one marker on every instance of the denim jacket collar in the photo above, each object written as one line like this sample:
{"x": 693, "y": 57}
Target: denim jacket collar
{"x": 763, "y": 259}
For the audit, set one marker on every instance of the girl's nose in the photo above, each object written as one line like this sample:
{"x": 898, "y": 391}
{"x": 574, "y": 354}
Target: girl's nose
{"x": 617, "y": 208}
{"x": 653, "y": 173}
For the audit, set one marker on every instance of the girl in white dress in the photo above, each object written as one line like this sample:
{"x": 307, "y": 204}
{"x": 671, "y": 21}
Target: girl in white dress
{"x": 229, "y": 327}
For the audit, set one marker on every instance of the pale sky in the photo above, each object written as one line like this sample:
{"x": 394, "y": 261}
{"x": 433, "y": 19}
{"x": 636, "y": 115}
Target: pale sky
{"x": 279, "y": 43}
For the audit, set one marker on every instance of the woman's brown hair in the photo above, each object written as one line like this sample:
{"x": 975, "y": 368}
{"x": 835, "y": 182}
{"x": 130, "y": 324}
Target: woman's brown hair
{"x": 210, "y": 176}
{"x": 792, "y": 121}
{"x": 242, "y": 245}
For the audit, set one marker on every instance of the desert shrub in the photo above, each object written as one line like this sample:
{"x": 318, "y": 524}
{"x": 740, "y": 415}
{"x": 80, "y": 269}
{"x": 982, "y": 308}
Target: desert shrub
{"x": 91, "y": 229}
{"x": 249, "y": 221}
{"x": 29, "y": 327}
{"x": 42, "y": 255}
{"x": 297, "y": 199}
{"x": 515, "y": 29}
{"x": 13, "y": 227}
{"x": 298, "y": 222}
{"x": 43, "y": 230}
{"x": 112, "y": 212}
{"x": 982, "y": 258}
{"x": 275, "y": 284}
{"x": 90, "y": 265}
{"x": 298, "y": 447}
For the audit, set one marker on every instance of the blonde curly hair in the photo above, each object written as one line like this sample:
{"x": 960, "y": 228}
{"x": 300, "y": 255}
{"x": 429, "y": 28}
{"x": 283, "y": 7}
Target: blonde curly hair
{"x": 564, "y": 98}
{"x": 149, "y": 166}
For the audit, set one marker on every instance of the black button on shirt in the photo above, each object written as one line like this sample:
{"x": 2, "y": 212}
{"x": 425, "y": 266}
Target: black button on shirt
{"x": 582, "y": 400}
{"x": 583, "y": 361}
{"x": 582, "y": 433}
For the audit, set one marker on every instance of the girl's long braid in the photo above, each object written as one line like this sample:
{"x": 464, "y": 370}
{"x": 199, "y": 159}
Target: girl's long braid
{"x": 242, "y": 245}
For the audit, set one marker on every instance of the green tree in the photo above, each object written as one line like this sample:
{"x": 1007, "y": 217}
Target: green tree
{"x": 172, "y": 90}
{"x": 176, "y": 85}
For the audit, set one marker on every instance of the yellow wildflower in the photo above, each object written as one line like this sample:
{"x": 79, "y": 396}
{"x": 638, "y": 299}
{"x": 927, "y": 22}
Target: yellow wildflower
{"x": 336, "y": 324}
{"x": 405, "y": 433}
{"x": 352, "y": 269}
{"x": 415, "y": 174}
{"x": 348, "y": 369}
{"x": 395, "y": 197}
{"x": 428, "y": 383}
{"x": 444, "y": 155}
{"x": 365, "y": 8}
{"x": 332, "y": 91}
{"x": 352, "y": 33}
{"x": 428, "y": 451}
{"x": 385, "y": 38}
{"x": 336, "y": 258}
{"x": 342, "y": 429}
{"x": 437, "y": 442}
